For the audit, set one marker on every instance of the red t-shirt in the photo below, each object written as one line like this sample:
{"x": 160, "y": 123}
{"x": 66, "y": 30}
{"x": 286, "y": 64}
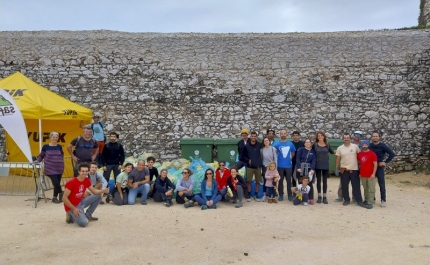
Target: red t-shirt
{"x": 366, "y": 160}
{"x": 222, "y": 182}
{"x": 77, "y": 190}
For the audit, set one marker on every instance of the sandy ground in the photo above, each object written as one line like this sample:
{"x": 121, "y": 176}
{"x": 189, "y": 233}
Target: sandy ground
{"x": 258, "y": 233}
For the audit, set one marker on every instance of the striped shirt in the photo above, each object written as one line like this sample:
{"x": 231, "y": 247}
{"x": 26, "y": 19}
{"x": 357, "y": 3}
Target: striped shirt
{"x": 53, "y": 157}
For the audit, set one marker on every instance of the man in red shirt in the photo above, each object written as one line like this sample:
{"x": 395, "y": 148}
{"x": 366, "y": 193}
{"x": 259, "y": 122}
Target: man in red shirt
{"x": 368, "y": 165}
{"x": 74, "y": 201}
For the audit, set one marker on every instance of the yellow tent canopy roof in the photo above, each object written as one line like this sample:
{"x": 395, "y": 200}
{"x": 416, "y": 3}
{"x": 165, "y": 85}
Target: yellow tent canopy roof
{"x": 37, "y": 102}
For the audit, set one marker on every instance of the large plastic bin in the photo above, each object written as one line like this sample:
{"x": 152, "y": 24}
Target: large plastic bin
{"x": 227, "y": 150}
{"x": 197, "y": 148}
{"x": 334, "y": 144}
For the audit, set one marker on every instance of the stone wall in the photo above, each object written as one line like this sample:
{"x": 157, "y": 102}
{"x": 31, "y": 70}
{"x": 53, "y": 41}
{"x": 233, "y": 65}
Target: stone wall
{"x": 159, "y": 88}
{"x": 424, "y": 18}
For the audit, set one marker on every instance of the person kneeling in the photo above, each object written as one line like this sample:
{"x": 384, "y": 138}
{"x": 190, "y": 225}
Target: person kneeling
{"x": 302, "y": 192}
{"x": 163, "y": 189}
{"x": 120, "y": 192}
{"x": 236, "y": 187}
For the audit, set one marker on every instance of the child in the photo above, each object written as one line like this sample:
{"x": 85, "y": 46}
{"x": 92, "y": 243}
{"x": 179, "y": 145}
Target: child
{"x": 302, "y": 192}
{"x": 272, "y": 178}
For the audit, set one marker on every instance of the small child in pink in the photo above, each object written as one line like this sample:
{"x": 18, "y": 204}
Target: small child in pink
{"x": 272, "y": 179}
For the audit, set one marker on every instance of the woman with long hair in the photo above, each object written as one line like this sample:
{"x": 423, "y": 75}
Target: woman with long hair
{"x": 208, "y": 196}
{"x": 268, "y": 154}
{"x": 322, "y": 149}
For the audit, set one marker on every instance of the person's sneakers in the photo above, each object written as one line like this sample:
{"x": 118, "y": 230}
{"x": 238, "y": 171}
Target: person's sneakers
{"x": 108, "y": 198}
{"x": 144, "y": 203}
{"x": 263, "y": 199}
{"x": 311, "y": 202}
{"x": 346, "y": 203}
{"x": 101, "y": 202}
{"x": 270, "y": 200}
{"x": 367, "y": 206}
{"x": 383, "y": 204}
{"x": 290, "y": 198}
{"x": 55, "y": 200}
{"x": 167, "y": 204}
{"x": 204, "y": 207}
{"x": 338, "y": 199}
{"x": 91, "y": 218}
{"x": 212, "y": 207}
{"x": 69, "y": 219}
{"x": 238, "y": 204}
{"x": 170, "y": 202}
{"x": 305, "y": 204}
{"x": 234, "y": 200}
{"x": 257, "y": 199}
{"x": 281, "y": 198}
{"x": 325, "y": 200}
{"x": 274, "y": 200}
{"x": 248, "y": 199}
{"x": 188, "y": 204}
{"x": 319, "y": 199}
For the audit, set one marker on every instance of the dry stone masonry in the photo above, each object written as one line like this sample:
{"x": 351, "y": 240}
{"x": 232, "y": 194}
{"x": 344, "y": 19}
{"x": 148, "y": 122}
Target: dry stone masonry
{"x": 159, "y": 88}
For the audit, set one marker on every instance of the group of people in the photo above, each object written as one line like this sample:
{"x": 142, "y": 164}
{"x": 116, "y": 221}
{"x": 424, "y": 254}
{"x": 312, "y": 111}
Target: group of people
{"x": 297, "y": 162}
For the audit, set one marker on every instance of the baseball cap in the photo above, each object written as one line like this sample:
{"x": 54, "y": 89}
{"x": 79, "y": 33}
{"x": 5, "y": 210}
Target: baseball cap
{"x": 96, "y": 116}
{"x": 244, "y": 131}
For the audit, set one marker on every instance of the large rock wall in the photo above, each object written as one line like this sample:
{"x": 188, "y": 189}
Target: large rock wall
{"x": 159, "y": 88}
{"x": 424, "y": 18}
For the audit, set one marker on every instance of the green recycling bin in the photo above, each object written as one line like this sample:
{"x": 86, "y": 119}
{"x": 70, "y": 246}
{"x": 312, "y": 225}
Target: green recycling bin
{"x": 334, "y": 144}
{"x": 197, "y": 148}
{"x": 227, "y": 150}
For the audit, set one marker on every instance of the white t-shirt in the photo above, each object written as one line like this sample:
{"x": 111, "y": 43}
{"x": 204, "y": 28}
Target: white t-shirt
{"x": 303, "y": 190}
{"x": 348, "y": 156}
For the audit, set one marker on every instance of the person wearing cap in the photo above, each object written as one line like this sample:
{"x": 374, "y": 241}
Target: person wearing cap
{"x": 271, "y": 134}
{"x": 98, "y": 134}
{"x": 368, "y": 166}
{"x": 286, "y": 152}
{"x": 346, "y": 161}
{"x": 240, "y": 147}
{"x": 381, "y": 150}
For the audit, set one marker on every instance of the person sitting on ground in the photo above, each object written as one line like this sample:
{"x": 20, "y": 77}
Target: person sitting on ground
{"x": 53, "y": 157}
{"x": 153, "y": 174}
{"x": 236, "y": 188}
{"x": 164, "y": 189}
{"x": 302, "y": 191}
{"x": 208, "y": 196}
{"x": 221, "y": 175}
{"x": 97, "y": 180}
{"x": 272, "y": 178}
{"x": 74, "y": 201}
{"x": 184, "y": 187}
{"x": 138, "y": 182}
{"x": 120, "y": 192}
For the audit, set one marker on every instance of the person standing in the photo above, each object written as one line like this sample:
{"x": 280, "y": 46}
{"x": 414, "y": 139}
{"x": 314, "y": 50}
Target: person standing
{"x": 381, "y": 150}
{"x": 74, "y": 201}
{"x": 85, "y": 149}
{"x": 138, "y": 182}
{"x": 346, "y": 161}
{"x": 271, "y": 135}
{"x": 53, "y": 157}
{"x": 322, "y": 165}
{"x": 240, "y": 147}
{"x": 305, "y": 161}
{"x": 268, "y": 154}
{"x": 98, "y": 134}
{"x": 286, "y": 151}
{"x": 112, "y": 157}
{"x": 368, "y": 166}
{"x": 251, "y": 154}
{"x": 297, "y": 144}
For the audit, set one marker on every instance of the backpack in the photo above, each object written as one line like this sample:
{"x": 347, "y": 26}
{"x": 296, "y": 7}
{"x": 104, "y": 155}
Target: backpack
{"x": 101, "y": 125}
{"x": 77, "y": 143}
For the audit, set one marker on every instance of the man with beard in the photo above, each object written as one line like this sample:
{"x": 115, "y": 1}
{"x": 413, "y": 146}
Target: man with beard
{"x": 251, "y": 154}
{"x": 271, "y": 134}
{"x": 368, "y": 166}
{"x": 240, "y": 147}
{"x": 297, "y": 144}
{"x": 381, "y": 150}
{"x": 286, "y": 152}
{"x": 112, "y": 156}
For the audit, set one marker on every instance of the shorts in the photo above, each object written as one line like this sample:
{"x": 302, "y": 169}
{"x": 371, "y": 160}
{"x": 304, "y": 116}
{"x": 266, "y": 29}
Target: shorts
{"x": 251, "y": 172}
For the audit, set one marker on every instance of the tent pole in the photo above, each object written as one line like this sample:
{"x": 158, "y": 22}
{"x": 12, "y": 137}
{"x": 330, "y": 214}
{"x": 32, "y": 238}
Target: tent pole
{"x": 40, "y": 134}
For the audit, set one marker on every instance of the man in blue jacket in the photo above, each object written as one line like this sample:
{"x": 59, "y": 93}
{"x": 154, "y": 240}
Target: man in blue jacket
{"x": 381, "y": 150}
{"x": 252, "y": 157}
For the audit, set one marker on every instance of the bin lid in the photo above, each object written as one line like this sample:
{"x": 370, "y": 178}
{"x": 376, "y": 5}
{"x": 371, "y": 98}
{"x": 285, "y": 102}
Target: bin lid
{"x": 335, "y": 142}
{"x": 227, "y": 141}
{"x": 189, "y": 141}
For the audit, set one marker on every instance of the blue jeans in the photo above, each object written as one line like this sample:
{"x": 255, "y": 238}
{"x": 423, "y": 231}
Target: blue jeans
{"x": 199, "y": 199}
{"x": 305, "y": 198}
{"x": 92, "y": 201}
{"x": 132, "y": 193}
{"x": 109, "y": 169}
{"x": 270, "y": 192}
{"x": 380, "y": 175}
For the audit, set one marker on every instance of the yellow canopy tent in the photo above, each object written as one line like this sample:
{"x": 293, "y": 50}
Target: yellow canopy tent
{"x": 43, "y": 112}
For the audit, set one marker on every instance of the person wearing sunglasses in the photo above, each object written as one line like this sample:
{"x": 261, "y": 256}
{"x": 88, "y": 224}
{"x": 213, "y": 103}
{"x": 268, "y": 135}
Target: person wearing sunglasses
{"x": 221, "y": 175}
{"x": 184, "y": 187}
{"x": 208, "y": 196}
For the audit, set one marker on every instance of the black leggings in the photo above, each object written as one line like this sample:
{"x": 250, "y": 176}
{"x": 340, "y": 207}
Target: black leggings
{"x": 56, "y": 182}
{"x": 322, "y": 173}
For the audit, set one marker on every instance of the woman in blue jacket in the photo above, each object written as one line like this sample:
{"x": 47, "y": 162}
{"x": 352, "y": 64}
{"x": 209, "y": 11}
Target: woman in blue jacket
{"x": 305, "y": 161}
{"x": 208, "y": 196}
